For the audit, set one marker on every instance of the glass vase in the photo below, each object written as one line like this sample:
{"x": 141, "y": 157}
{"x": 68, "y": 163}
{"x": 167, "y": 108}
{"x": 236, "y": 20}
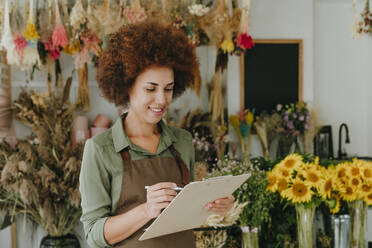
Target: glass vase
{"x": 245, "y": 145}
{"x": 249, "y": 237}
{"x": 358, "y": 212}
{"x": 305, "y": 219}
{"x": 285, "y": 143}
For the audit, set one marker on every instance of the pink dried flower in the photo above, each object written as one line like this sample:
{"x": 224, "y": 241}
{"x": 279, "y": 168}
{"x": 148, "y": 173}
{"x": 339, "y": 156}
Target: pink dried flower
{"x": 20, "y": 44}
{"x": 135, "y": 16}
{"x": 81, "y": 58}
{"x": 59, "y": 37}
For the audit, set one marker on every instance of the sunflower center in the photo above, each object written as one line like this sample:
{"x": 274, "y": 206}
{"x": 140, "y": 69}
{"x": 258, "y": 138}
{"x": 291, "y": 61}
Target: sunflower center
{"x": 285, "y": 173}
{"x": 328, "y": 185}
{"x": 355, "y": 182}
{"x": 289, "y": 163}
{"x": 355, "y": 171}
{"x": 299, "y": 189}
{"x": 282, "y": 184}
{"x": 312, "y": 177}
{"x": 349, "y": 191}
{"x": 367, "y": 173}
{"x": 366, "y": 188}
{"x": 272, "y": 180}
{"x": 341, "y": 173}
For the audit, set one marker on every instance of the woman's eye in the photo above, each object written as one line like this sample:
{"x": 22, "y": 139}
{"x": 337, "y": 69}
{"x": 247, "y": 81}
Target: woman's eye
{"x": 150, "y": 89}
{"x": 169, "y": 89}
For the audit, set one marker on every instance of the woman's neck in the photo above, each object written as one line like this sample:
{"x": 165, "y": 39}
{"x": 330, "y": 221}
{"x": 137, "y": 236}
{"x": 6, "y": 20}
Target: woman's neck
{"x": 134, "y": 126}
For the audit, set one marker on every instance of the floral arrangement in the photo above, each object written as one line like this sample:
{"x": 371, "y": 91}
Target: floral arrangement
{"x": 242, "y": 124}
{"x": 295, "y": 117}
{"x": 352, "y": 180}
{"x": 295, "y": 123}
{"x": 298, "y": 181}
{"x": 40, "y": 176}
{"x": 266, "y": 125}
{"x": 301, "y": 181}
{"x": 204, "y": 150}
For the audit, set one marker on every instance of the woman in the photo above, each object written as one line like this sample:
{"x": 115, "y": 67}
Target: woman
{"x": 145, "y": 65}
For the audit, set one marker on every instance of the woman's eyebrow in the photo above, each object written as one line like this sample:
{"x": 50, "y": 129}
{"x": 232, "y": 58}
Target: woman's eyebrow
{"x": 156, "y": 84}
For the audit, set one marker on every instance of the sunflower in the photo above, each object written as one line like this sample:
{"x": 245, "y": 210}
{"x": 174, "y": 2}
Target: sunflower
{"x": 366, "y": 189}
{"x": 349, "y": 193}
{"x": 367, "y": 172}
{"x": 327, "y": 184}
{"x": 272, "y": 178}
{"x": 282, "y": 184}
{"x": 355, "y": 182}
{"x": 354, "y": 169}
{"x": 341, "y": 170}
{"x": 337, "y": 206}
{"x": 291, "y": 162}
{"x": 284, "y": 173}
{"x": 368, "y": 199}
{"x": 313, "y": 177}
{"x": 298, "y": 192}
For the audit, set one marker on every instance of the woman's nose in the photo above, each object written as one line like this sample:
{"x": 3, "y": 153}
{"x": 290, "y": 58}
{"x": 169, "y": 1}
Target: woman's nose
{"x": 161, "y": 98}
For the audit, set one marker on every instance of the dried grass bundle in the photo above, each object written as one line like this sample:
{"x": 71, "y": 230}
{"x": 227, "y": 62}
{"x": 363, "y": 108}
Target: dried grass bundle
{"x": 83, "y": 102}
{"x": 40, "y": 176}
{"x": 215, "y": 100}
{"x": 311, "y": 132}
{"x": 214, "y": 23}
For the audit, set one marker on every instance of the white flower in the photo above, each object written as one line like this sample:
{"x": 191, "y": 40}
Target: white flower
{"x": 279, "y": 107}
{"x": 198, "y": 9}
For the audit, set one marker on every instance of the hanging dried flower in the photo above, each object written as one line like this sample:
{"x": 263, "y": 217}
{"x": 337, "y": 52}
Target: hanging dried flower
{"x": 135, "y": 13}
{"x": 198, "y": 9}
{"x": 244, "y": 41}
{"x": 7, "y": 37}
{"x": 30, "y": 32}
{"x": 20, "y": 44}
{"x": 78, "y": 15}
{"x": 227, "y": 46}
{"x": 59, "y": 37}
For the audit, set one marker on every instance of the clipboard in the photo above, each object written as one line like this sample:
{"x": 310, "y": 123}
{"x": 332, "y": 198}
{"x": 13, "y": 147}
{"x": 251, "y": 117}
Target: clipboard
{"x": 186, "y": 210}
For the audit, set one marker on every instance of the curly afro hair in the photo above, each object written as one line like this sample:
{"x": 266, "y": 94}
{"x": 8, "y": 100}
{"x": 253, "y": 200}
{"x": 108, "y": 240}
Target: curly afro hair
{"x": 135, "y": 47}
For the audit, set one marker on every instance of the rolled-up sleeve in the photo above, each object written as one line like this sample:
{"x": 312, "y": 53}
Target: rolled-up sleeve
{"x": 95, "y": 191}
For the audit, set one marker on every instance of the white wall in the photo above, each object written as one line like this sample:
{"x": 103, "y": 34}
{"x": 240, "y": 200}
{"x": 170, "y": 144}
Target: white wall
{"x": 342, "y": 75}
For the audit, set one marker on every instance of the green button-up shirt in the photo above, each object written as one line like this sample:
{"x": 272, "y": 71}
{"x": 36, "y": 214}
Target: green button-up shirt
{"x": 102, "y": 172}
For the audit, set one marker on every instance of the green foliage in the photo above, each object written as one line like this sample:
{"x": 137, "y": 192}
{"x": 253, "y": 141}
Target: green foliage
{"x": 253, "y": 191}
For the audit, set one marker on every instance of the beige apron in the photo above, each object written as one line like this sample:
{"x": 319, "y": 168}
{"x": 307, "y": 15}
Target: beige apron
{"x": 136, "y": 175}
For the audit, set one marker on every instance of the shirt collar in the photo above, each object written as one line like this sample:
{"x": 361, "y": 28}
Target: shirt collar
{"x": 121, "y": 140}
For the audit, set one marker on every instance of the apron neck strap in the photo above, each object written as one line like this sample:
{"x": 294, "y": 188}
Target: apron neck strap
{"x": 184, "y": 171}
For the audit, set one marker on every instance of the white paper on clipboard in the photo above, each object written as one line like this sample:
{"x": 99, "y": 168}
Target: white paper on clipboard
{"x": 186, "y": 211}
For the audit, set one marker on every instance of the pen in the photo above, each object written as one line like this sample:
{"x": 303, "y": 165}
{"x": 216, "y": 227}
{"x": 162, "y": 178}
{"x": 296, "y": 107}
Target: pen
{"x": 174, "y": 188}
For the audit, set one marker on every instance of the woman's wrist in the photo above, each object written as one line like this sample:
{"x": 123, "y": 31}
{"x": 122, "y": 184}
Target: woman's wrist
{"x": 145, "y": 211}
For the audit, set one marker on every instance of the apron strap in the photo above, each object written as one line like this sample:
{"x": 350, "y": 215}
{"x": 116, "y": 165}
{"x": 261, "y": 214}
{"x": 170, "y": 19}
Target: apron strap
{"x": 184, "y": 171}
{"x": 125, "y": 154}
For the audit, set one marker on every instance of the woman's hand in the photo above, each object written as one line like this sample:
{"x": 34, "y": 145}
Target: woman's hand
{"x": 158, "y": 197}
{"x": 221, "y": 206}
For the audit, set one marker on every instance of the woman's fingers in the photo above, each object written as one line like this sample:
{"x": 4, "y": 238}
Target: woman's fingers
{"x": 161, "y": 192}
{"x": 163, "y": 185}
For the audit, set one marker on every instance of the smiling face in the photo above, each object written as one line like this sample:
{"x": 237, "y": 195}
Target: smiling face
{"x": 151, "y": 94}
